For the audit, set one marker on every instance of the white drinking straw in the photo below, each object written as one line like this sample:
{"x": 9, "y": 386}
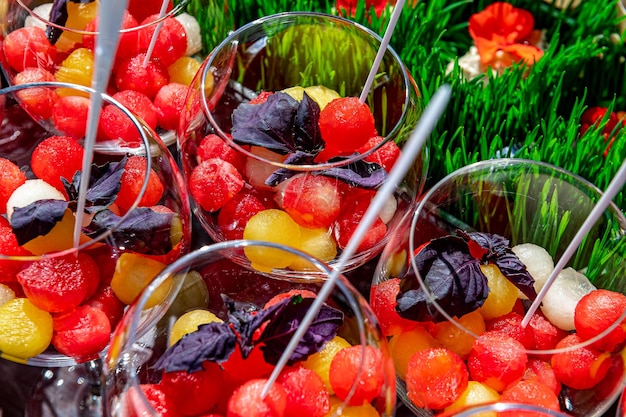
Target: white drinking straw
{"x": 157, "y": 29}
{"x": 110, "y": 15}
{"x": 409, "y": 152}
{"x": 614, "y": 187}
{"x": 381, "y": 51}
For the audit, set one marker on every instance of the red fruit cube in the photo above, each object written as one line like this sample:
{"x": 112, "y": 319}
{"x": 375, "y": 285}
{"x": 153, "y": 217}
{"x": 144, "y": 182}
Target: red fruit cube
{"x": 82, "y": 333}
{"x": 247, "y": 401}
{"x": 132, "y": 74}
{"x": 355, "y": 205}
{"x": 115, "y": 125}
{"x": 385, "y": 156}
{"x": 171, "y": 42}
{"x": 306, "y": 393}
{"x": 497, "y": 360}
{"x": 11, "y": 177}
{"x": 596, "y": 312}
{"x": 346, "y": 124}
{"x": 193, "y": 393}
{"x": 312, "y": 201}
{"x": 383, "y": 302}
{"x": 542, "y": 371}
{"x": 288, "y": 294}
{"x": 357, "y": 366}
{"x": 213, "y": 183}
{"x": 105, "y": 299}
{"x": 129, "y": 39}
{"x": 239, "y": 370}
{"x": 29, "y": 47}
{"x": 56, "y": 284}
{"x": 579, "y": 367}
{"x": 70, "y": 115}
{"x": 9, "y": 246}
{"x": 141, "y": 9}
{"x": 57, "y": 157}
{"x": 545, "y": 334}
{"x": 169, "y": 102}
{"x": 511, "y": 325}
{"x": 135, "y": 174}
{"x": 435, "y": 378}
{"x": 145, "y": 400}
{"x": 36, "y": 101}
{"x": 530, "y": 392}
{"x": 213, "y": 146}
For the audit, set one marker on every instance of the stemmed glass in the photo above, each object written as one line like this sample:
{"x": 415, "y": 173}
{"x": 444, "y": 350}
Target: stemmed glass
{"x": 519, "y": 216}
{"x": 61, "y": 301}
{"x": 276, "y": 143}
{"x": 221, "y": 327}
{"x": 55, "y": 41}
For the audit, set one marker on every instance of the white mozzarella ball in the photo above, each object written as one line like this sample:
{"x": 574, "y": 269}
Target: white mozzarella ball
{"x": 192, "y": 30}
{"x": 538, "y": 262}
{"x": 388, "y": 210}
{"x": 560, "y": 301}
{"x": 31, "y": 191}
{"x": 42, "y": 11}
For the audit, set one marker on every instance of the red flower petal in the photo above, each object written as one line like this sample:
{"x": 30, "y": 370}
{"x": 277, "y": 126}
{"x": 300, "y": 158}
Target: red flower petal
{"x": 501, "y": 22}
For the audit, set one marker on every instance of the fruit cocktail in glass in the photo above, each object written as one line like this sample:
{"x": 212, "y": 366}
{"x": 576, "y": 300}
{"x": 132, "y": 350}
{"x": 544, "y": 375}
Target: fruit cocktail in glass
{"x": 222, "y": 330}
{"x": 276, "y": 145}
{"x": 46, "y": 40}
{"x": 61, "y": 300}
{"x": 454, "y": 284}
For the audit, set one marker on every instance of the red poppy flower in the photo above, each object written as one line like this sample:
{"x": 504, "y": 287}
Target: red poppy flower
{"x": 349, "y": 6}
{"x": 503, "y": 27}
{"x": 594, "y": 115}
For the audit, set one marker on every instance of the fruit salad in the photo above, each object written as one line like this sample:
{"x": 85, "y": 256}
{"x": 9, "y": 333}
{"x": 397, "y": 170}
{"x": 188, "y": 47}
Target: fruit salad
{"x": 153, "y": 87}
{"x": 284, "y": 174}
{"x": 481, "y": 353}
{"x": 59, "y": 304}
{"x": 228, "y": 376}
{"x": 226, "y": 326}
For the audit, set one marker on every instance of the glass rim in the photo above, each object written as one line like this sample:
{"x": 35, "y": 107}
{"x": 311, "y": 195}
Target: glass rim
{"x": 473, "y": 410}
{"x": 504, "y": 163}
{"x": 144, "y": 149}
{"x": 233, "y": 38}
{"x": 134, "y": 326}
{"x": 178, "y": 8}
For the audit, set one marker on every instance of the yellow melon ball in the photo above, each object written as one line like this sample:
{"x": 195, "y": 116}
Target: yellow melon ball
{"x": 338, "y": 409}
{"x": 502, "y": 293}
{"x": 183, "y": 70}
{"x": 275, "y": 226}
{"x": 475, "y": 394}
{"x": 317, "y": 243}
{"x": 26, "y": 330}
{"x": 189, "y": 322}
{"x": 78, "y": 16}
{"x": 403, "y": 345}
{"x": 319, "y": 362}
{"x": 77, "y": 68}
{"x": 133, "y": 273}
{"x": 455, "y": 338}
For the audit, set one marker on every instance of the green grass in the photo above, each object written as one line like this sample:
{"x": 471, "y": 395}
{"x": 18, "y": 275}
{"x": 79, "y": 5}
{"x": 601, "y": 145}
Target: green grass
{"x": 536, "y": 116}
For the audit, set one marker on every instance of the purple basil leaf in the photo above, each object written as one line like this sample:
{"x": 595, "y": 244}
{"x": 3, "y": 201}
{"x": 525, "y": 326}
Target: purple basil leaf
{"x": 280, "y": 329}
{"x": 360, "y": 173}
{"x": 213, "y": 342}
{"x": 452, "y": 275}
{"x": 269, "y": 124}
{"x": 282, "y": 321}
{"x": 104, "y": 185}
{"x": 308, "y": 138}
{"x": 499, "y": 252}
{"x": 36, "y": 219}
{"x": 143, "y": 231}
{"x": 282, "y": 174}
